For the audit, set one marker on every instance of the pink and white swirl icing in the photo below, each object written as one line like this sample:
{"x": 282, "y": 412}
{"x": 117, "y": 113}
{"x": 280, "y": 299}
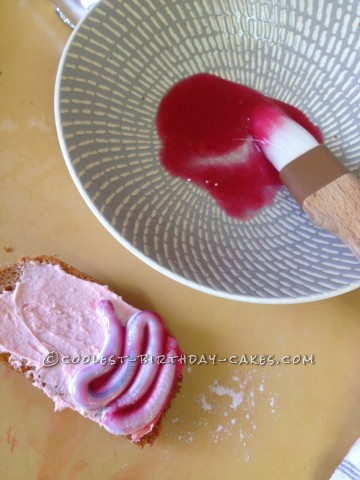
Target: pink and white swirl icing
{"x": 131, "y": 395}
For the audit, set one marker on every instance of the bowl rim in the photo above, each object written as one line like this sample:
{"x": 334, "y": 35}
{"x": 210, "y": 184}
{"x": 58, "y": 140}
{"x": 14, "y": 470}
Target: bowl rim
{"x": 140, "y": 255}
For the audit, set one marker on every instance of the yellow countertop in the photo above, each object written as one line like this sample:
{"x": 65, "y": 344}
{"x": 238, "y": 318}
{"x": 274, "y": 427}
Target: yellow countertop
{"x": 287, "y": 421}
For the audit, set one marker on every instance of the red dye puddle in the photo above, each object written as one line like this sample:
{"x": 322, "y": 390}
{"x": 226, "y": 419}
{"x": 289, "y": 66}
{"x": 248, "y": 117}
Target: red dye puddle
{"x": 204, "y": 123}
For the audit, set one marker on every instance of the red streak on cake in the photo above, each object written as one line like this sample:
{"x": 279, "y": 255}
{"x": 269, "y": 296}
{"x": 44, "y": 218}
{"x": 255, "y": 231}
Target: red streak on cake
{"x": 204, "y": 123}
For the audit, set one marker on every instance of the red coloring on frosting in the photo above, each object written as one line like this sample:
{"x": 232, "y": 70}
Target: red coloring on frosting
{"x": 204, "y": 123}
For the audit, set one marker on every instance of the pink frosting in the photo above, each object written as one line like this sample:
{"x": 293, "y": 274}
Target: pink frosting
{"x": 50, "y": 310}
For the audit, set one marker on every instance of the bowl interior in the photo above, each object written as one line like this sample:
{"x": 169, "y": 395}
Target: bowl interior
{"x": 116, "y": 68}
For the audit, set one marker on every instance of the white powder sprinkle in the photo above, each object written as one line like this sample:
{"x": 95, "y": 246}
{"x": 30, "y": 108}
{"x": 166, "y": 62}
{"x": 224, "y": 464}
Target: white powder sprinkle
{"x": 227, "y": 408}
{"x": 236, "y": 397}
{"x": 272, "y": 404}
{"x": 186, "y": 438}
{"x": 205, "y": 405}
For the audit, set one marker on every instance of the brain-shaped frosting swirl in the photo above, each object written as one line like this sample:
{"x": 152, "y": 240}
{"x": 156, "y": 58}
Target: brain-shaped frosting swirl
{"x": 131, "y": 394}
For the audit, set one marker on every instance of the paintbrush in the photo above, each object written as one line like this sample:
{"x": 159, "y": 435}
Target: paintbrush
{"x": 323, "y": 187}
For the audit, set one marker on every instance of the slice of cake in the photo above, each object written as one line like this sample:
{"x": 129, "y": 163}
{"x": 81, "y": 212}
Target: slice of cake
{"x": 86, "y": 348}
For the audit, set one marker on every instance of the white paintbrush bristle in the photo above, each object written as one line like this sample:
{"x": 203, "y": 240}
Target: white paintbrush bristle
{"x": 287, "y": 140}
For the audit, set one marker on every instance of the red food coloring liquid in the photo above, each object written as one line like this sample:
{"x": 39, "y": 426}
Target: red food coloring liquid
{"x": 204, "y": 124}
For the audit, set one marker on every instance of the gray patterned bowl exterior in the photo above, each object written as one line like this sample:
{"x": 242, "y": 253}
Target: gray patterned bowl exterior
{"x": 117, "y": 66}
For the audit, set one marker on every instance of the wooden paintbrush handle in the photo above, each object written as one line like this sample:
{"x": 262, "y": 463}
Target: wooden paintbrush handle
{"x": 336, "y": 208}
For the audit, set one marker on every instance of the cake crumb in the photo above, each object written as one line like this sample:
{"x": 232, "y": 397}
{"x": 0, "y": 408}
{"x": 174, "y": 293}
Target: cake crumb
{"x": 8, "y": 249}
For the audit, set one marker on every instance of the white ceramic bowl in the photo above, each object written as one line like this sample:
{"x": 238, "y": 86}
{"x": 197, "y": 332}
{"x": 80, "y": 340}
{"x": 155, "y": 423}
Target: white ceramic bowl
{"x": 117, "y": 66}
